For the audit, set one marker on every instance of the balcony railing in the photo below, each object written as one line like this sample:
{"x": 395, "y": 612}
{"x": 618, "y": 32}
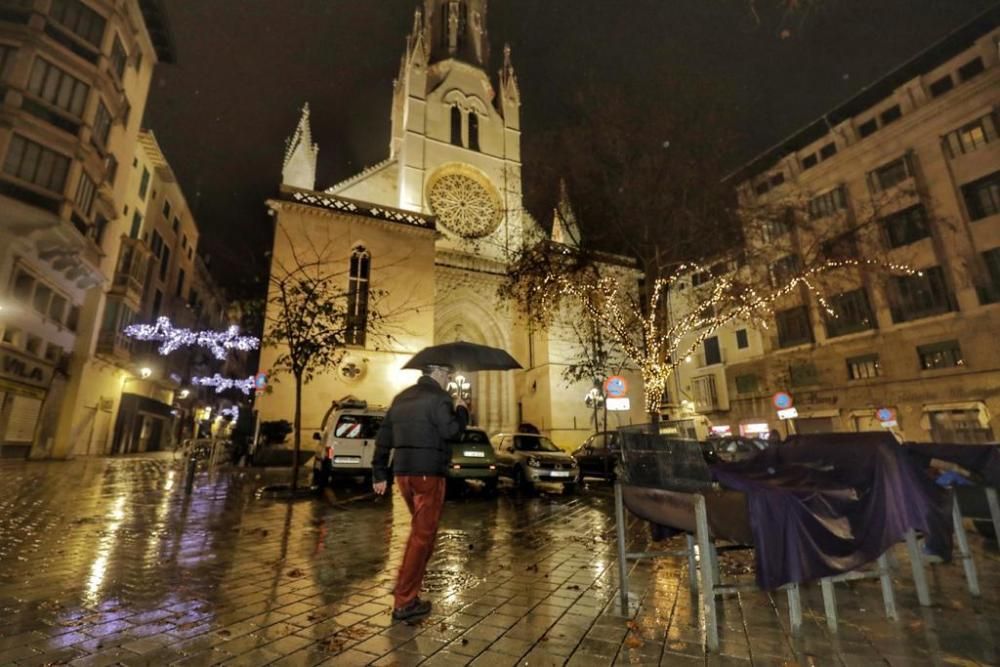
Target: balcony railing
{"x": 706, "y": 397}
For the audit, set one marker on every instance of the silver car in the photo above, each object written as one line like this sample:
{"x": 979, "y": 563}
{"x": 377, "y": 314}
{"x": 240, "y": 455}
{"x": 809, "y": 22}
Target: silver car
{"x": 529, "y": 458}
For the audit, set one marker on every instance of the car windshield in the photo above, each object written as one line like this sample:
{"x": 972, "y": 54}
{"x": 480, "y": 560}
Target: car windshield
{"x": 474, "y": 438}
{"x": 357, "y": 426}
{"x": 534, "y": 443}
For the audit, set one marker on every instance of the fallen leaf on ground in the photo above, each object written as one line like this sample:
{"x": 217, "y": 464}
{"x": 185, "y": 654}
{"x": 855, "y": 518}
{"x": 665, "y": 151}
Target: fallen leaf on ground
{"x": 295, "y": 573}
{"x": 633, "y": 641}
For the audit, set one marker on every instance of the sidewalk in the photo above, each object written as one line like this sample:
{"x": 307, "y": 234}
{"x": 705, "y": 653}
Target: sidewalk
{"x": 106, "y": 562}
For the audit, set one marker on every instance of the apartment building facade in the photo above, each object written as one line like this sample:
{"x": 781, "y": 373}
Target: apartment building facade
{"x": 907, "y": 172}
{"x": 74, "y": 78}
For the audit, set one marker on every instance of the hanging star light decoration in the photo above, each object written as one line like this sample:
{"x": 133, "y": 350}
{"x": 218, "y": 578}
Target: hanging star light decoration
{"x": 173, "y": 338}
{"x": 233, "y": 412}
{"x": 221, "y": 384}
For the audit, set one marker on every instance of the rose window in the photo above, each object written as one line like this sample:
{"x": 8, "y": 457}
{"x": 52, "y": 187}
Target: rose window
{"x": 464, "y": 205}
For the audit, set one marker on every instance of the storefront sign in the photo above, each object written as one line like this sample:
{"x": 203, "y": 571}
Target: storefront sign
{"x": 615, "y": 387}
{"x": 618, "y": 404}
{"x": 18, "y": 367}
{"x": 759, "y": 428}
{"x": 722, "y": 431}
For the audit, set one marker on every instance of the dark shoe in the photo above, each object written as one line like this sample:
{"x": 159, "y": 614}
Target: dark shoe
{"x": 416, "y": 607}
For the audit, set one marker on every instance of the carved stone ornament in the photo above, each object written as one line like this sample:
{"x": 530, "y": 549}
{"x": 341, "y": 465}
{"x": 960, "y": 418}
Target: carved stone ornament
{"x": 352, "y": 368}
{"x": 464, "y": 202}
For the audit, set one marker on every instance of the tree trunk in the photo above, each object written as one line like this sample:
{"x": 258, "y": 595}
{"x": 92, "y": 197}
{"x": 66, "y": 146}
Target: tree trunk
{"x": 297, "y": 432}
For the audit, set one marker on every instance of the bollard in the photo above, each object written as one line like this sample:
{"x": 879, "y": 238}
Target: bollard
{"x": 189, "y": 480}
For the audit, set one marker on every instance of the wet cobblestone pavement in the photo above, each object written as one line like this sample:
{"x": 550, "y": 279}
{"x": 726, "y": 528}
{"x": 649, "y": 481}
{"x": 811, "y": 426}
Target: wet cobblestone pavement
{"x": 107, "y": 562}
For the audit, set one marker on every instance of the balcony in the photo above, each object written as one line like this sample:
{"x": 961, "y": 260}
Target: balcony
{"x": 115, "y": 344}
{"x": 706, "y": 396}
{"x": 130, "y": 272}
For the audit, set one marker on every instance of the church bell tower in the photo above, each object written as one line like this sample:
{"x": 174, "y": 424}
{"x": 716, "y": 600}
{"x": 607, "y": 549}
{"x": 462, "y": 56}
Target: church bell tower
{"x": 457, "y": 29}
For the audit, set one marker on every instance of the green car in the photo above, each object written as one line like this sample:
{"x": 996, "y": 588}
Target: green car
{"x": 472, "y": 457}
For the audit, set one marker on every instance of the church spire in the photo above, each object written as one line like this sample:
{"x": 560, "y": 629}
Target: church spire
{"x": 299, "y": 167}
{"x": 565, "y": 229}
{"x": 457, "y": 29}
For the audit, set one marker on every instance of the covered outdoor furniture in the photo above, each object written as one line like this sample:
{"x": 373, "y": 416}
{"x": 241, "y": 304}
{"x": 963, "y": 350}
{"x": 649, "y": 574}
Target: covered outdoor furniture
{"x": 817, "y": 507}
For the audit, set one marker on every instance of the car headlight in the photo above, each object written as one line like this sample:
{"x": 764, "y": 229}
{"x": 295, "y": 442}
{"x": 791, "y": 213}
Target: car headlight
{"x": 533, "y": 462}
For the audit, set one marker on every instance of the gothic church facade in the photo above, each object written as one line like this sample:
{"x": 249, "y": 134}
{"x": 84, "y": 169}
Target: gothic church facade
{"x": 433, "y": 226}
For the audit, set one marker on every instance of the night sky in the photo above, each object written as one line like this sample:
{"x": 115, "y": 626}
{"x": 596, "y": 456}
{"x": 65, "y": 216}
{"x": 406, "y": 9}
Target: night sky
{"x": 245, "y": 67}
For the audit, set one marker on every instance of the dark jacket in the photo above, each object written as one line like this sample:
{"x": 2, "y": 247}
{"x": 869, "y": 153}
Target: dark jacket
{"x": 417, "y": 426}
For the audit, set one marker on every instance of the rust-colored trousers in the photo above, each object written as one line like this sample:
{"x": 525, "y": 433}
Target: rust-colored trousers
{"x": 424, "y": 495}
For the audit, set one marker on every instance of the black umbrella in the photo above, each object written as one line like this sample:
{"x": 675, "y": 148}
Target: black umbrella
{"x": 466, "y": 356}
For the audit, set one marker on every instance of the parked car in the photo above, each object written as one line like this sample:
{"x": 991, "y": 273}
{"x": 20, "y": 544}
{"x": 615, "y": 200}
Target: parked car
{"x": 529, "y": 458}
{"x": 346, "y": 445}
{"x": 472, "y": 457}
{"x": 599, "y": 455}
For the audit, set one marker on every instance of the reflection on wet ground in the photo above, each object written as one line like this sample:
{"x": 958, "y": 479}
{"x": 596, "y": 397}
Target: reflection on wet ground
{"x": 107, "y": 562}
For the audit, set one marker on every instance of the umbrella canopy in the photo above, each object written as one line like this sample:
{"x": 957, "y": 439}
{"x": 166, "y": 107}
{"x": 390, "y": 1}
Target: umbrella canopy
{"x": 463, "y": 355}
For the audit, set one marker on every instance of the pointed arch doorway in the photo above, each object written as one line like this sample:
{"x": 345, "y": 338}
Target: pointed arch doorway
{"x": 491, "y": 392}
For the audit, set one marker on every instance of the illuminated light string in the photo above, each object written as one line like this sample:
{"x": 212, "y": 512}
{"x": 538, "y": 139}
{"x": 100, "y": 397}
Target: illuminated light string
{"x": 658, "y": 352}
{"x": 233, "y": 412}
{"x": 221, "y": 384}
{"x": 173, "y": 338}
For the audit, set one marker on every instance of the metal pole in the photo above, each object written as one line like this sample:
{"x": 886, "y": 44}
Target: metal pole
{"x": 622, "y": 560}
{"x": 917, "y": 566}
{"x": 707, "y": 574}
{"x": 968, "y": 564}
{"x": 829, "y": 603}
{"x": 192, "y": 465}
{"x": 994, "y": 504}
{"x": 888, "y": 595}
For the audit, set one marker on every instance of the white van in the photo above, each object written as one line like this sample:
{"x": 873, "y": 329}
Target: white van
{"x": 346, "y": 445}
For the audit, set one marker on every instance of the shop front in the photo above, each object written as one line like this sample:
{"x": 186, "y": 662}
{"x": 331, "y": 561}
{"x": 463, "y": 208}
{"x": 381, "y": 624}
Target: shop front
{"x": 146, "y": 419}
{"x": 24, "y": 386}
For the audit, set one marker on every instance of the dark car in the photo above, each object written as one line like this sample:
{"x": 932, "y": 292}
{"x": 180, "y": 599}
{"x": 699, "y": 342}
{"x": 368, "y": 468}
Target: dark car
{"x": 472, "y": 457}
{"x": 599, "y": 455}
{"x": 732, "y": 448}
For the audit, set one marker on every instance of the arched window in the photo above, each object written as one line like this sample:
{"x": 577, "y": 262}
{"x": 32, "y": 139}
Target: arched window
{"x": 456, "y": 126}
{"x": 473, "y": 131}
{"x": 357, "y": 297}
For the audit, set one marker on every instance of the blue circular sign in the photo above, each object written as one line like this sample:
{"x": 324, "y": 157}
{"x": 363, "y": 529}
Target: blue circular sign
{"x": 615, "y": 386}
{"x": 886, "y": 414}
{"x": 782, "y": 400}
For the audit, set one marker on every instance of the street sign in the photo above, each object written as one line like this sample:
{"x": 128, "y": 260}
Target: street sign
{"x": 886, "y": 417}
{"x": 618, "y": 404}
{"x": 615, "y": 386}
{"x": 788, "y": 413}
{"x": 782, "y": 400}
{"x": 260, "y": 382}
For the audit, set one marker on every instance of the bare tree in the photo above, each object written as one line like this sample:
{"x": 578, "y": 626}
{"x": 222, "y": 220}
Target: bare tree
{"x": 314, "y": 312}
{"x": 648, "y": 186}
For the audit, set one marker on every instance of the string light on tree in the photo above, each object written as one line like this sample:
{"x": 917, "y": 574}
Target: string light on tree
{"x": 173, "y": 338}
{"x": 221, "y": 384}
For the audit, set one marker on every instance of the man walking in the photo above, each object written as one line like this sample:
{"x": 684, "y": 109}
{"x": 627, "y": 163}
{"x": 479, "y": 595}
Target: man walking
{"x": 420, "y": 421}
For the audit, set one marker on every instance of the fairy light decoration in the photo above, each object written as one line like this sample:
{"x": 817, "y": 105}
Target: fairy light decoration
{"x": 172, "y": 338}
